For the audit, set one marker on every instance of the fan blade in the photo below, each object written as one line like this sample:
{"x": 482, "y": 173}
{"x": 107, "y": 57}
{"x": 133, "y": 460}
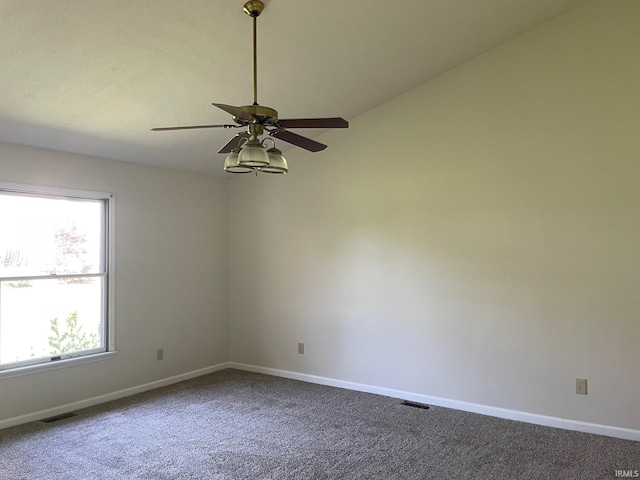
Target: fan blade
{"x": 298, "y": 140}
{"x": 236, "y": 112}
{"x": 233, "y": 143}
{"x": 336, "y": 122}
{"x": 190, "y": 127}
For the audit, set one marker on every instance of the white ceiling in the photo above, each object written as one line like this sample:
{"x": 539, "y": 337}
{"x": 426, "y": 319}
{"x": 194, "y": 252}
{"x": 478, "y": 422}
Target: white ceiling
{"x": 93, "y": 76}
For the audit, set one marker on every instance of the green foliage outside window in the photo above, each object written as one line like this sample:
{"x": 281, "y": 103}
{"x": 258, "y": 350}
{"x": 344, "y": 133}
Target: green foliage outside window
{"x": 70, "y": 337}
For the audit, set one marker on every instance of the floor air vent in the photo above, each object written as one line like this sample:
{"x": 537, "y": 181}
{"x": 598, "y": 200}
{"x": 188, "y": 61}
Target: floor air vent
{"x": 415, "y": 404}
{"x": 58, "y": 417}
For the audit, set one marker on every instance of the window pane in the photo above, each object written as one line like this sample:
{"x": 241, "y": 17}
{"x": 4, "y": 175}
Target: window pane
{"x": 46, "y": 235}
{"x": 61, "y": 236}
{"x": 41, "y": 318}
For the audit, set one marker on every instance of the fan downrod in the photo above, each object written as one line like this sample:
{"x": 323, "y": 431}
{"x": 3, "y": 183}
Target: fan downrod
{"x": 253, "y": 8}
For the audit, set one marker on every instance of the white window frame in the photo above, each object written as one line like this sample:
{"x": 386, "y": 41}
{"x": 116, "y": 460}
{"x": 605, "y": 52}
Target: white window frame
{"x": 86, "y": 356}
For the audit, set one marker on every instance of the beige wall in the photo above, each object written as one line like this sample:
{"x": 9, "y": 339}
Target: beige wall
{"x": 474, "y": 239}
{"x": 171, "y": 275}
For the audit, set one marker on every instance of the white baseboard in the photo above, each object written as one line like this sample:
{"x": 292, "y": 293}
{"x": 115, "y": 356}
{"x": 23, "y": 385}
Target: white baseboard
{"x": 90, "y": 402}
{"x": 567, "y": 424}
{"x": 547, "y": 421}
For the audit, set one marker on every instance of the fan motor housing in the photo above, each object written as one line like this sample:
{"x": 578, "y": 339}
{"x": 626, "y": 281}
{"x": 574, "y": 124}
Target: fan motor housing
{"x": 265, "y": 115}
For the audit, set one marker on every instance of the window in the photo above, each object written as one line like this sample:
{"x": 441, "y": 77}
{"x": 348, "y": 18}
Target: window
{"x": 54, "y": 275}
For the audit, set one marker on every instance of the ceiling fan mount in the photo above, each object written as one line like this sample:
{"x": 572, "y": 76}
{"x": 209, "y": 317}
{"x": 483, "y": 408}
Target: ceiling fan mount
{"x": 245, "y": 148}
{"x": 253, "y": 8}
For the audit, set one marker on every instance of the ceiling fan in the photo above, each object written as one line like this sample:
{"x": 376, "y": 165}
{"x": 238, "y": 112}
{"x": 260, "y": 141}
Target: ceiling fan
{"x": 247, "y": 151}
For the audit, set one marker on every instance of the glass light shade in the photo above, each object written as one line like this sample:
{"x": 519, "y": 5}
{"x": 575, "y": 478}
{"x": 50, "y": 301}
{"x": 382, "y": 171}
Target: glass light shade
{"x": 231, "y": 163}
{"x": 277, "y": 163}
{"x": 253, "y": 155}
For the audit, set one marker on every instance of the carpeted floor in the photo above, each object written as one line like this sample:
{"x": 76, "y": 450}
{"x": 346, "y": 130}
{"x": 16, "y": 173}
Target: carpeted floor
{"x": 239, "y": 425}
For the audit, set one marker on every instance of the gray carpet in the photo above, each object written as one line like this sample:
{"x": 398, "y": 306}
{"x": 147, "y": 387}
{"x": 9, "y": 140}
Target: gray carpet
{"x": 239, "y": 425}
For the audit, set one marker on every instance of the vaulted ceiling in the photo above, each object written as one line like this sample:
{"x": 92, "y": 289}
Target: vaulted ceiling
{"x": 93, "y": 76}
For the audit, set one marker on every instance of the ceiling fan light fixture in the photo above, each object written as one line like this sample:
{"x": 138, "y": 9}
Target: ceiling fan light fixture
{"x": 277, "y": 163}
{"x": 231, "y": 163}
{"x": 253, "y": 155}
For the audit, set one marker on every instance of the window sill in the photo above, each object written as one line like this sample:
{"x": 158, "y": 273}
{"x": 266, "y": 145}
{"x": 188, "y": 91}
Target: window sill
{"x": 45, "y": 367}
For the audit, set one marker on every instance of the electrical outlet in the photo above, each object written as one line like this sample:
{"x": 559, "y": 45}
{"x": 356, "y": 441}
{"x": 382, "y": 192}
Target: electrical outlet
{"x": 160, "y": 354}
{"x": 581, "y": 386}
{"x": 300, "y": 348}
